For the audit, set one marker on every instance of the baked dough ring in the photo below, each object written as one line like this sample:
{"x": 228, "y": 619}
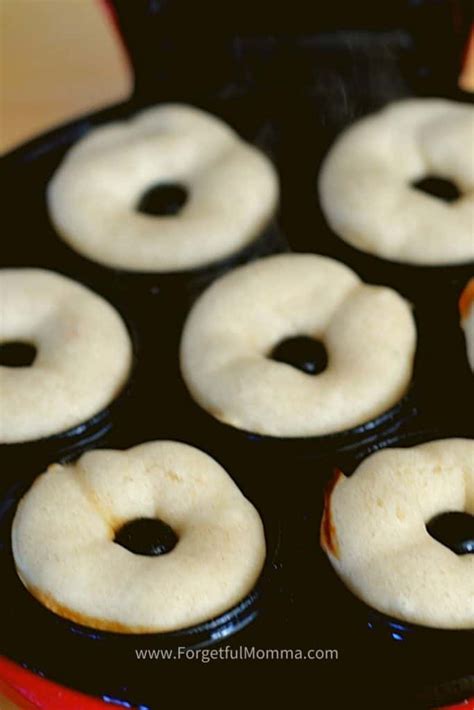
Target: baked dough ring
{"x": 368, "y": 331}
{"x": 92, "y": 197}
{"x": 374, "y": 533}
{"x": 83, "y": 358}
{"x": 365, "y": 184}
{"x": 64, "y": 550}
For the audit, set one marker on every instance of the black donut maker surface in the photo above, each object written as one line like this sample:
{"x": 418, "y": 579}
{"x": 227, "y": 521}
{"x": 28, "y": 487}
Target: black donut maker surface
{"x": 343, "y": 61}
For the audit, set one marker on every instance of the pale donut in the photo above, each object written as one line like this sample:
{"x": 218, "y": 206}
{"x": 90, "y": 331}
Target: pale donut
{"x": 368, "y": 331}
{"x": 83, "y": 358}
{"x": 65, "y": 554}
{"x": 233, "y": 191}
{"x": 374, "y": 533}
{"x": 365, "y": 183}
{"x": 466, "y": 307}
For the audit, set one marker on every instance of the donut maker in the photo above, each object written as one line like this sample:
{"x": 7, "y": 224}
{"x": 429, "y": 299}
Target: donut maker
{"x": 288, "y": 78}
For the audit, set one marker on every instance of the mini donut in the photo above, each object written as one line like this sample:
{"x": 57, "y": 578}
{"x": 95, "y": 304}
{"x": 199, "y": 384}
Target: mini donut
{"x": 83, "y": 354}
{"x": 65, "y": 532}
{"x": 232, "y": 191}
{"x": 374, "y": 532}
{"x": 367, "y": 183}
{"x": 235, "y": 325}
{"x": 466, "y": 308}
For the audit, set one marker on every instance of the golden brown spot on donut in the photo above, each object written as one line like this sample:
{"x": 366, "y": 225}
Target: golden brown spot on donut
{"x": 328, "y": 536}
{"x": 173, "y": 476}
{"x": 83, "y": 619}
{"x": 466, "y": 299}
{"x": 218, "y": 414}
{"x": 401, "y": 515}
{"x": 151, "y": 468}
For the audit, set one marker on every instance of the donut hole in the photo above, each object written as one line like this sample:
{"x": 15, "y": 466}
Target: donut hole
{"x": 163, "y": 199}
{"x": 17, "y": 354}
{"x": 146, "y": 536}
{"x": 438, "y": 187}
{"x": 454, "y": 530}
{"x": 303, "y": 353}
